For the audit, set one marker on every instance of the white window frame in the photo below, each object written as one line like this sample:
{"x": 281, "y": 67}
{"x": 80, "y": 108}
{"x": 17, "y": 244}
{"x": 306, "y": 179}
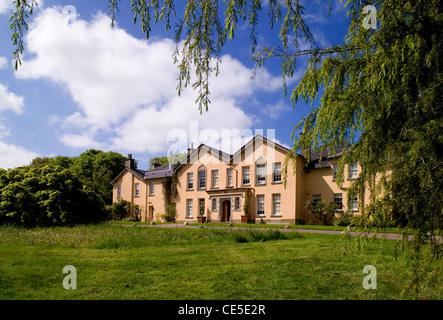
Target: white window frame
{"x": 339, "y": 204}
{"x": 119, "y": 192}
{"x": 229, "y": 177}
{"x": 353, "y": 171}
{"x": 190, "y": 181}
{"x": 214, "y": 204}
{"x": 237, "y": 203}
{"x": 151, "y": 188}
{"x": 276, "y": 173}
{"x": 260, "y": 205}
{"x": 214, "y": 178}
{"x": 276, "y": 204}
{"x": 189, "y": 208}
{"x": 246, "y": 173}
{"x": 260, "y": 174}
{"x": 353, "y": 203}
{"x": 137, "y": 189}
{"x": 200, "y": 180}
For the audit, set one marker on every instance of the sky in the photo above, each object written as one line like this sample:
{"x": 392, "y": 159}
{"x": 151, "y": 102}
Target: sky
{"x": 86, "y": 85}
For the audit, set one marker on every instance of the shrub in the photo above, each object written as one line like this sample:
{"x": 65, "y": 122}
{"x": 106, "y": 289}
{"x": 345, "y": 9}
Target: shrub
{"x": 170, "y": 214}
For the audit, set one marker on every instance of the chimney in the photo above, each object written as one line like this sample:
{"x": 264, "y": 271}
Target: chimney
{"x": 129, "y": 162}
{"x": 156, "y": 163}
{"x": 190, "y": 150}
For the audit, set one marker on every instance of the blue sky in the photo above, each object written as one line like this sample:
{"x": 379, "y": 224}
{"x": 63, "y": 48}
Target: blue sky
{"x": 87, "y": 85}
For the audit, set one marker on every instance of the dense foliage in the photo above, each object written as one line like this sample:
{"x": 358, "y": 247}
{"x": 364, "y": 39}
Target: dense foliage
{"x": 60, "y": 190}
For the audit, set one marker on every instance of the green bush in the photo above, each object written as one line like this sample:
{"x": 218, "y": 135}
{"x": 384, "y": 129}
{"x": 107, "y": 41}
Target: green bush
{"x": 170, "y": 214}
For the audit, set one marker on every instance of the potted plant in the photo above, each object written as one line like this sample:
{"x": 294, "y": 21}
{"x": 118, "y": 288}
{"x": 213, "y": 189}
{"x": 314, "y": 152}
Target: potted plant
{"x": 245, "y": 216}
{"x": 201, "y": 213}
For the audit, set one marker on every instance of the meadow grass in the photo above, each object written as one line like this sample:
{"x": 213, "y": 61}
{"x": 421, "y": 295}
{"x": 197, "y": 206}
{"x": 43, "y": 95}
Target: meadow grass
{"x": 117, "y": 262}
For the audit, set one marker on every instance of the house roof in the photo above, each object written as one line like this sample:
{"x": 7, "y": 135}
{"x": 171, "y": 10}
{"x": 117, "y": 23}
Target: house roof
{"x": 320, "y": 159}
{"x": 160, "y": 172}
{"x": 137, "y": 172}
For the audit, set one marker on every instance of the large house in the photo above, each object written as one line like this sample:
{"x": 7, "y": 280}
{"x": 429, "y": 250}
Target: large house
{"x": 217, "y": 185}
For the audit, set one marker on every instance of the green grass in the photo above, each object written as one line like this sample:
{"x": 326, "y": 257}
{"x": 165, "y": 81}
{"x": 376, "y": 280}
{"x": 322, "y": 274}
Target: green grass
{"x": 116, "y": 262}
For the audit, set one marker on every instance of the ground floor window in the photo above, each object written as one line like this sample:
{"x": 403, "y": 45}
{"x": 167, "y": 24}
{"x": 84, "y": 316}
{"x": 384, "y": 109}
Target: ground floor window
{"x": 237, "y": 203}
{"x": 260, "y": 205}
{"x": 276, "y": 204}
{"x": 189, "y": 208}
{"x": 338, "y": 200}
{"x": 353, "y": 203}
{"x": 214, "y": 204}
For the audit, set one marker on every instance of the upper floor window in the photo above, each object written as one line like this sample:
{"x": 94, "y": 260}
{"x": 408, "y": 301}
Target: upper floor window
{"x": 353, "y": 170}
{"x": 246, "y": 175}
{"x": 202, "y": 179}
{"x": 261, "y": 173}
{"x": 190, "y": 181}
{"x": 229, "y": 177}
{"x": 119, "y": 191}
{"x": 214, "y": 178}
{"x": 335, "y": 171}
{"x": 151, "y": 188}
{"x": 137, "y": 189}
{"x": 276, "y": 172}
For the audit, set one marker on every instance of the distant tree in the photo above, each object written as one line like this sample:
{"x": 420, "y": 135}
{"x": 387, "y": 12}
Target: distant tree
{"x": 96, "y": 169}
{"x": 47, "y": 196}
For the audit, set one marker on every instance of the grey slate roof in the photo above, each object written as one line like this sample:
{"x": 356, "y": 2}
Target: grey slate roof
{"x": 160, "y": 172}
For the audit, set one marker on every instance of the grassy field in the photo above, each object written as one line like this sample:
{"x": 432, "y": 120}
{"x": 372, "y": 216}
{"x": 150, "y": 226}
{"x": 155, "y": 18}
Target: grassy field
{"x": 117, "y": 262}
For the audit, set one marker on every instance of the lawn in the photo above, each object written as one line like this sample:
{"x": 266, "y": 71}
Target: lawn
{"x": 117, "y": 262}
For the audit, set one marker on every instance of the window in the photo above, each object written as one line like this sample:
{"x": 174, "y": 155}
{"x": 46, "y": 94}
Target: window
{"x": 338, "y": 200}
{"x": 276, "y": 172}
{"x": 353, "y": 170}
{"x": 246, "y": 175}
{"x": 353, "y": 203}
{"x": 315, "y": 199}
{"x": 276, "y": 204}
{"x": 335, "y": 171}
{"x": 151, "y": 188}
{"x": 237, "y": 203}
{"x": 189, "y": 208}
{"x": 214, "y": 204}
{"x": 229, "y": 177}
{"x": 190, "y": 181}
{"x": 119, "y": 192}
{"x": 260, "y": 205}
{"x": 261, "y": 173}
{"x": 214, "y": 178}
{"x": 137, "y": 189}
{"x": 201, "y": 207}
{"x": 202, "y": 179}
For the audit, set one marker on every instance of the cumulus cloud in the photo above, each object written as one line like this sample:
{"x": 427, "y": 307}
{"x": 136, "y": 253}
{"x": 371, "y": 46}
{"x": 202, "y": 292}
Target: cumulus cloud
{"x": 125, "y": 88}
{"x": 3, "y": 63}
{"x": 14, "y": 156}
{"x": 10, "y": 101}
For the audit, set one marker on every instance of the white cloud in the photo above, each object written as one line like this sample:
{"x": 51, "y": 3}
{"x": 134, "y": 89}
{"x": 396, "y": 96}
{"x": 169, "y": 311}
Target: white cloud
{"x": 14, "y": 156}
{"x": 6, "y": 6}
{"x": 275, "y": 111}
{"x": 3, "y": 63}
{"x": 10, "y": 100}
{"x": 125, "y": 88}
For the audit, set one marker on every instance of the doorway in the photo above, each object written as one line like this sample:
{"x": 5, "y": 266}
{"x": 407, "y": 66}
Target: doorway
{"x": 226, "y": 211}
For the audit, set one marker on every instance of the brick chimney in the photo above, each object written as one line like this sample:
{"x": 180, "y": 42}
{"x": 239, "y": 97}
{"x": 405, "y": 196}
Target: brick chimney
{"x": 156, "y": 163}
{"x": 129, "y": 162}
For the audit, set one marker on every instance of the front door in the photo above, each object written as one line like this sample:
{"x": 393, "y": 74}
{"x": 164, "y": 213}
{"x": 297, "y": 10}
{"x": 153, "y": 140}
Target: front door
{"x": 226, "y": 211}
